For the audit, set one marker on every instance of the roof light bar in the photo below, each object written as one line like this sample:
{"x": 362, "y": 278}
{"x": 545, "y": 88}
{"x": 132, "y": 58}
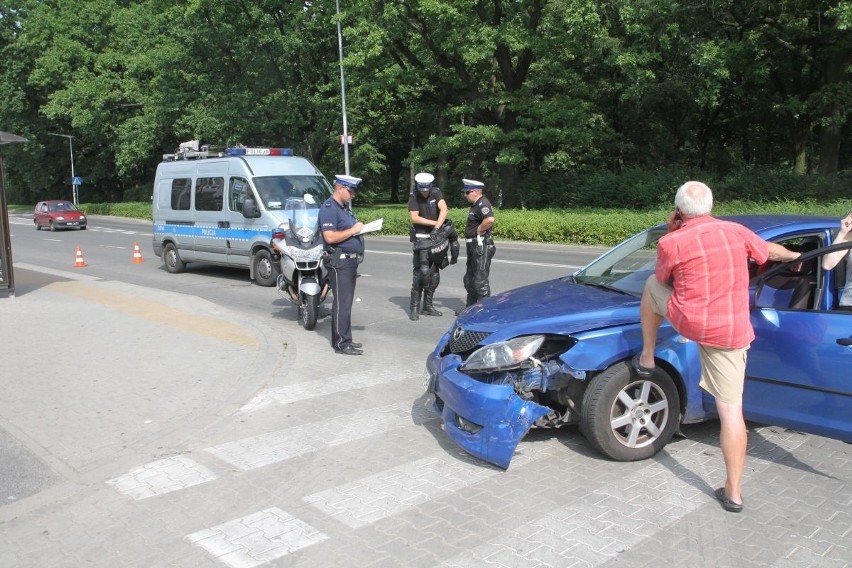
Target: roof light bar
{"x": 258, "y": 152}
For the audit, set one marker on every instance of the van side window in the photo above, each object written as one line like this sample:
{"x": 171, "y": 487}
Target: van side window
{"x": 237, "y": 194}
{"x": 209, "y": 193}
{"x": 180, "y": 194}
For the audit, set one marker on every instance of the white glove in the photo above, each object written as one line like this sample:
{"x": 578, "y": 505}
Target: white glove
{"x": 479, "y": 240}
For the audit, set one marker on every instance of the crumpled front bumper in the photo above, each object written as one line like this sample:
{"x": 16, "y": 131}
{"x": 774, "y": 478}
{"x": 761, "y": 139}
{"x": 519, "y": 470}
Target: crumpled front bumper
{"x": 487, "y": 421}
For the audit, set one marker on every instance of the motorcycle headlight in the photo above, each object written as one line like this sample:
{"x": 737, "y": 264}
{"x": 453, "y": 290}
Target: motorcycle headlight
{"x": 503, "y": 355}
{"x": 303, "y": 254}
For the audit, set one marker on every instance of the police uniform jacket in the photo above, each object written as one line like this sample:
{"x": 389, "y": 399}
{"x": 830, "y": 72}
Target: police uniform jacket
{"x": 335, "y": 217}
{"x": 426, "y": 207}
{"x": 478, "y": 212}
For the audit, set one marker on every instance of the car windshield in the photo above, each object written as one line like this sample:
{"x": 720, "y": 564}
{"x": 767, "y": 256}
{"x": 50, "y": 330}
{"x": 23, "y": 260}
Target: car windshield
{"x": 275, "y": 191}
{"x": 61, "y": 206}
{"x": 626, "y": 267}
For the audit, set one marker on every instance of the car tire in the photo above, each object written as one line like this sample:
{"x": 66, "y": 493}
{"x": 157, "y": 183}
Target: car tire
{"x": 265, "y": 271}
{"x": 171, "y": 259}
{"x": 52, "y": 227}
{"x": 83, "y": 228}
{"x": 37, "y": 226}
{"x": 634, "y": 430}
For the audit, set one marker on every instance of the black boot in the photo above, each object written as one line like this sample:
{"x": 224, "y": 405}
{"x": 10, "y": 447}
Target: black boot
{"x": 414, "y": 313}
{"x": 428, "y": 308}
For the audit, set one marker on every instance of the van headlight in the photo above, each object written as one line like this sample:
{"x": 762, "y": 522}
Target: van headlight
{"x": 503, "y": 355}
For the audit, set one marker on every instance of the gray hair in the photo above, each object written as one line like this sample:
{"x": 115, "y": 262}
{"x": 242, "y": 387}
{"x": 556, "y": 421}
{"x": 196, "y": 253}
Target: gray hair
{"x": 694, "y": 199}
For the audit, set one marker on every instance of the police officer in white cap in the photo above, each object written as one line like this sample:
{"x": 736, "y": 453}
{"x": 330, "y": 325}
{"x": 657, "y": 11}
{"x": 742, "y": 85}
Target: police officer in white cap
{"x": 478, "y": 243}
{"x": 343, "y": 247}
{"x": 428, "y": 212}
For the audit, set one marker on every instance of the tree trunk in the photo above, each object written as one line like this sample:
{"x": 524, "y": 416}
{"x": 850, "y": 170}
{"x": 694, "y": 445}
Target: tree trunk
{"x": 800, "y": 146}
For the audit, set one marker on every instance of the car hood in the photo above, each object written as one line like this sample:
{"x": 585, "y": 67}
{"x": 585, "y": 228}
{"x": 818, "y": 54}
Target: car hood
{"x": 555, "y": 306}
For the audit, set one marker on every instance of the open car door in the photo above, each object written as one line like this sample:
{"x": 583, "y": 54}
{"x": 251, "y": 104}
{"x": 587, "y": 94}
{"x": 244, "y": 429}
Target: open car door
{"x": 799, "y": 372}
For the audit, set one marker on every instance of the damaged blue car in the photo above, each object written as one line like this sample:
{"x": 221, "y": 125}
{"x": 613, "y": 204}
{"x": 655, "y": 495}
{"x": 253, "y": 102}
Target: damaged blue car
{"x": 558, "y": 352}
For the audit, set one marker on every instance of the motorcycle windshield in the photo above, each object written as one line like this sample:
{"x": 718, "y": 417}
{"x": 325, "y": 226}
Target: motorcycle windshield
{"x": 303, "y": 215}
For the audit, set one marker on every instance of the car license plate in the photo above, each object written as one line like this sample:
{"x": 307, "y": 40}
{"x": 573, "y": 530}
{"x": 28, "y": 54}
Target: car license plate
{"x": 72, "y": 223}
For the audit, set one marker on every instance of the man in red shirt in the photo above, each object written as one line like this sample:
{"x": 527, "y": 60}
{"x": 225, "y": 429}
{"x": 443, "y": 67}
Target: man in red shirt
{"x": 701, "y": 287}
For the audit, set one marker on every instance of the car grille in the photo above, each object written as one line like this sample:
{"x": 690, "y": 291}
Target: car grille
{"x": 463, "y": 341}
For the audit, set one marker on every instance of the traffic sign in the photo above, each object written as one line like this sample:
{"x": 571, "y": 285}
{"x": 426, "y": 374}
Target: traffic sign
{"x": 76, "y": 180}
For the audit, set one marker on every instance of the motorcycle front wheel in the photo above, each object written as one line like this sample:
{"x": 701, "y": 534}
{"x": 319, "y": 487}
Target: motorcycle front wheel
{"x": 309, "y": 309}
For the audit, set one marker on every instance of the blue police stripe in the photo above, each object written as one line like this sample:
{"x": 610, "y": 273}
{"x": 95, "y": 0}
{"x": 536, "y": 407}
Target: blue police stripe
{"x": 210, "y": 232}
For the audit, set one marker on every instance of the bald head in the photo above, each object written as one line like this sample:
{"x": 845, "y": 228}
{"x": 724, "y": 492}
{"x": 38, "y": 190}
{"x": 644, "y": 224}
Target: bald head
{"x": 694, "y": 199}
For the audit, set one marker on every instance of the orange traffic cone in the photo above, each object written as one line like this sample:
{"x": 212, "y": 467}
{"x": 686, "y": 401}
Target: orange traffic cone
{"x": 80, "y": 262}
{"x": 137, "y": 254}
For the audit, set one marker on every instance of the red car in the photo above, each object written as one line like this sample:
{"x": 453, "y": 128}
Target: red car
{"x": 58, "y": 214}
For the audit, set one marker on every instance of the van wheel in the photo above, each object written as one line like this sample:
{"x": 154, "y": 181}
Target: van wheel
{"x": 38, "y": 227}
{"x": 172, "y": 260}
{"x": 52, "y": 227}
{"x": 627, "y": 417}
{"x": 265, "y": 273}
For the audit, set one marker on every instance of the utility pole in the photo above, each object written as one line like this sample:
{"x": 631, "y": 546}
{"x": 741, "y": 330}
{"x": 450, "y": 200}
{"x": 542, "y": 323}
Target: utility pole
{"x": 342, "y": 91}
{"x": 73, "y": 177}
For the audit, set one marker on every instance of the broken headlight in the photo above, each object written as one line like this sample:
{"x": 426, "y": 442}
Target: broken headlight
{"x": 503, "y": 355}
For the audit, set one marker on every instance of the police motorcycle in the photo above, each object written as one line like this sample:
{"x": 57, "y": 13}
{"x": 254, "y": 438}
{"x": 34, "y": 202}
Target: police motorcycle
{"x": 303, "y": 277}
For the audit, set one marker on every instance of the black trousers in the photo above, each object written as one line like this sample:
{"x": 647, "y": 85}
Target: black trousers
{"x": 342, "y": 280}
{"x": 478, "y": 270}
{"x": 426, "y": 274}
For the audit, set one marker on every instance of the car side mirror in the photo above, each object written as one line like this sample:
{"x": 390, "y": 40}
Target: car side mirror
{"x": 250, "y": 209}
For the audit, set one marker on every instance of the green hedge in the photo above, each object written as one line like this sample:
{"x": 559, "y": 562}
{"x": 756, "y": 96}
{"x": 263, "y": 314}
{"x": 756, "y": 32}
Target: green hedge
{"x": 580, "y": 226}
{"x": 647, "y": 190}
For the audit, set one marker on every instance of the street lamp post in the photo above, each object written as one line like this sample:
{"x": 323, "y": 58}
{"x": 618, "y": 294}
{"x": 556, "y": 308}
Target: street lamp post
{"x": 71, "y": 147}
{"x": 342, "y": 92}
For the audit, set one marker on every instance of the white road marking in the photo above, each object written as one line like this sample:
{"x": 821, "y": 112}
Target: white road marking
{"x": 161, "y": 477}
{"x": 274, "y": 447}
{"x": 327, "y": 385}
{"x": 257, "y": 538}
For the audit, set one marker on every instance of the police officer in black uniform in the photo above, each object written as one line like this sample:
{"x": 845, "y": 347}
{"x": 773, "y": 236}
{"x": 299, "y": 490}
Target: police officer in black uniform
{"x": 343, "y": 247}
{"x": 428, "y": 212}
{"x": 478, "y": 243}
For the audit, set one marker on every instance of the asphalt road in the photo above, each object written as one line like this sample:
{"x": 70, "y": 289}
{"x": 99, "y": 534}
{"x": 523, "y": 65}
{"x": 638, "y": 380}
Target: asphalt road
{"x": 383, "y": 286}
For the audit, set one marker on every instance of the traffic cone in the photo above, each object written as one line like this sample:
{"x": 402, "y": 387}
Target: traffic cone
{"x": 80, "y": 262}
{"x": 137, "y": 254}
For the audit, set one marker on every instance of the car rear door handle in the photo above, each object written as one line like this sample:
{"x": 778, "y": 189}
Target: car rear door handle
{"x": 845, "y": 341}
{"x": 224, "y": 224}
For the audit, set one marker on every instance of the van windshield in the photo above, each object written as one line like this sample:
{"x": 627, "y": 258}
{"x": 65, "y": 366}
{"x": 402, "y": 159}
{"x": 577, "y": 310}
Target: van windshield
{"x": 276, "y": 190}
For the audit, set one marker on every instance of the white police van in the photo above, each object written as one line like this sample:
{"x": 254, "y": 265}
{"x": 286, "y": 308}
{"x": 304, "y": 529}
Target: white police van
{"x": 222, "y": 207}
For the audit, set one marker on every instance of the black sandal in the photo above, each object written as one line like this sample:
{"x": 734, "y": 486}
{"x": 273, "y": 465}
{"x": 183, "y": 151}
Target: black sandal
{"x": 727, "y": 504}
{"x": 640, "y": 369}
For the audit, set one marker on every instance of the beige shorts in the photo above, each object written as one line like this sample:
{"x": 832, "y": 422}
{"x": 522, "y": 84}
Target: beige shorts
{"x": 659, "y": 294}
{"x": 723, "y": 373}
{"x": 722, "y": 370}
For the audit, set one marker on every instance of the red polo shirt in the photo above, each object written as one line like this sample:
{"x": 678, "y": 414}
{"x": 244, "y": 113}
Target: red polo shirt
{"x": 706, "y": 262}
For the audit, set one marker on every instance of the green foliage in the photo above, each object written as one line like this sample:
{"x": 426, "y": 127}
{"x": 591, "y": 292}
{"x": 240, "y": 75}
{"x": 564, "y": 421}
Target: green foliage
{"x": 555, "y": 103}
{"x": 138, "y": 210}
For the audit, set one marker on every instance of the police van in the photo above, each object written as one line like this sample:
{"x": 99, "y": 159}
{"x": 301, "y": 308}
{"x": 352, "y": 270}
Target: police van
{"x": 221, "y": 207}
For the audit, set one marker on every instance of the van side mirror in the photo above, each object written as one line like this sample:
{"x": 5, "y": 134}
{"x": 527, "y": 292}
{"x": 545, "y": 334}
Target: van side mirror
{"x": 250, "y": 210}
